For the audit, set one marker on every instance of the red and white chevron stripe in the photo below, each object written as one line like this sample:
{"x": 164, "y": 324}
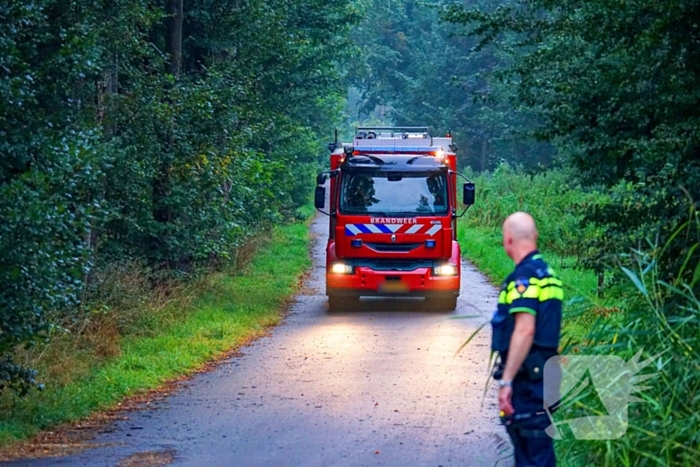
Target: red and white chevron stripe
{"x": 352, "y": 230}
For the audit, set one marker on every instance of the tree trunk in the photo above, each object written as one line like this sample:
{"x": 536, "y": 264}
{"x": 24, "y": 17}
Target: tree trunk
{"x": 162, "y": 210}
{"x": 173, "y": 35}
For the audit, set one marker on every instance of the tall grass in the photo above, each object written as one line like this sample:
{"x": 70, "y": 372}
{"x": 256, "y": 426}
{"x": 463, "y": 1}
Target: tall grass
{"x": 662, "y": 318}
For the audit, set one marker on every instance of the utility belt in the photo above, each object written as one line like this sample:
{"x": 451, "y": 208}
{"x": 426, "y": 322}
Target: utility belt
{"x": 532, "y": 368}
{"x": 535, "y": 420}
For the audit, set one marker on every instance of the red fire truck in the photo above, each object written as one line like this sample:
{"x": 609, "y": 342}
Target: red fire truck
{"x": 393, "y": 217}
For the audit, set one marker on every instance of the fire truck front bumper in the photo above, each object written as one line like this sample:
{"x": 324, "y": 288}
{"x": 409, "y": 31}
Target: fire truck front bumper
{"x": 428, "y": 280}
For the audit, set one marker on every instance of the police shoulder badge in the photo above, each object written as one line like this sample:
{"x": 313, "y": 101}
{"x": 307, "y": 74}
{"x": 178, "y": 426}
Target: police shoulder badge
{"x": 521, "y": 285}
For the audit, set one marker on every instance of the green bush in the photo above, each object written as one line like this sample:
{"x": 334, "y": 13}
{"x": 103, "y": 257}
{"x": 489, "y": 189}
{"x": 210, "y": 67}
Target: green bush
{"x": 551, "y": 197}
{"x": 46, "y": 215}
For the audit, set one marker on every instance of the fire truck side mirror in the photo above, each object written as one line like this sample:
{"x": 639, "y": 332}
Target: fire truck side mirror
{"x": 320, "y": 197}
{"x": 468, "y": 194}
{"x": 321, "y": 178}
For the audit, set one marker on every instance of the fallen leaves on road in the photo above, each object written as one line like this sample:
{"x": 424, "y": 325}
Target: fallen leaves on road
{"x": 149, "y": 459}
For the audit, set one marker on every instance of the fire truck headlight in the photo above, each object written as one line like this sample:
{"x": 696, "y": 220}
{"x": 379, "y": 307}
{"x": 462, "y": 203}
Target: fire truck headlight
{"x": 445, "y": 270}
{"x": 341, "y": 268}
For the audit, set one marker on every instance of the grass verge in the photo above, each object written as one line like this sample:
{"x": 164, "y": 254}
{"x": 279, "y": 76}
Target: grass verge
{"x": 483, "y": 247}
{"x": 230, "y": 310}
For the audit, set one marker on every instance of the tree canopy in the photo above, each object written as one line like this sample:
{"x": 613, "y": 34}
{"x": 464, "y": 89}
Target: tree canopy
{"x": 615, "y": 87}
{"x": 417, "y": 69}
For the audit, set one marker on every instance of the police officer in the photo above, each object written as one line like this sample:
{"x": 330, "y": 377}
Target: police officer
{"x": 526, "y": 329}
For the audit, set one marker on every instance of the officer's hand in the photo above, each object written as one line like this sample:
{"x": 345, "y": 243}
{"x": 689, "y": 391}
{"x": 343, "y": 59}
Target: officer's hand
{"x": 504, "y": 400}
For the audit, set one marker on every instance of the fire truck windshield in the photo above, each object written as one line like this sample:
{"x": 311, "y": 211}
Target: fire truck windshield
{"x": 392, "y": 194}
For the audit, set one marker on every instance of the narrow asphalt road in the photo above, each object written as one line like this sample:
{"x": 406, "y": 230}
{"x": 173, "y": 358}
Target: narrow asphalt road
{"x": 376, "y": 386}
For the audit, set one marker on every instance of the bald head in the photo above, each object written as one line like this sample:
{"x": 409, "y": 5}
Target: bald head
{"x": 521, "y": 226}
{"x": 519, "y": 235}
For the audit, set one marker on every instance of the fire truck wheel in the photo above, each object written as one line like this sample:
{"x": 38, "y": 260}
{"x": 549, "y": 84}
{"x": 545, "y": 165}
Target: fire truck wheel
{"x": 441, "y": 304}
{"x": 343, "y": 303}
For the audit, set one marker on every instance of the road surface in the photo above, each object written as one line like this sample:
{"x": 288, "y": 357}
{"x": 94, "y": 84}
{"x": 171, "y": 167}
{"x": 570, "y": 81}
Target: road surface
{"x": 376, "y": 386}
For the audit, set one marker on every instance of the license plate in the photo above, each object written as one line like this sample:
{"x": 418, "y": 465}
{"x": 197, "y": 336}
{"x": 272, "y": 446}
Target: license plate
{"x": 394, "y": 287}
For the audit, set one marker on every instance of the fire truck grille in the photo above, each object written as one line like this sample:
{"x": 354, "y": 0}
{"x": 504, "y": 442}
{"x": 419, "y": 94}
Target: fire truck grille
{"x": 393, "y": 265}
{"x": 393, "y": 247}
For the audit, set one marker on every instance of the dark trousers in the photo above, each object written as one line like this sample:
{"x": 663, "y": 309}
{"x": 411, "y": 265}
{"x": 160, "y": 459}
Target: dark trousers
{"x": 531, "y": 445}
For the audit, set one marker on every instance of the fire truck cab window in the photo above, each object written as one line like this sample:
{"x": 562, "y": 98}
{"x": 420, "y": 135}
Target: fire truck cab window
{"x": 412, "y": 193}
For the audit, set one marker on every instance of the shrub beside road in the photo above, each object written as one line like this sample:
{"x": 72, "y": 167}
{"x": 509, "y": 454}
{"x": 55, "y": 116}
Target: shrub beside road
{"x": 172, "y": 337}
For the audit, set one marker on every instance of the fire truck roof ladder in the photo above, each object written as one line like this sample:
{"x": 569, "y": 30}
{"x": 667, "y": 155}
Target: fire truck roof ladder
{"x": 393, "y": 132}
{"x": 392, "y": 136}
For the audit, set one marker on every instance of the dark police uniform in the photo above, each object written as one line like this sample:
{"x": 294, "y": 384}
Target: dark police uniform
{"x": 531, "y": 288}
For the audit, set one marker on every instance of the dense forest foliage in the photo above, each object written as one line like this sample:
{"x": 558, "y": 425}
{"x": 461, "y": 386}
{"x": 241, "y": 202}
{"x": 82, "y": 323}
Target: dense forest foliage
{"x": 416, "y": 69}
{"x": 165, "y": 132}
{"x": 615, "y": 88}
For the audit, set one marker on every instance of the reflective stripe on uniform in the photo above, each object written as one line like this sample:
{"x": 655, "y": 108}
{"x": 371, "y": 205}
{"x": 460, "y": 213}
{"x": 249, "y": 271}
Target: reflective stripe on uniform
{"x": 551, "y": 293}
{"x": 546, "y": 281}
{"x": 541, "y": 289}
{"x": 532, "y": 291}
{"x": 541, "y": 282}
